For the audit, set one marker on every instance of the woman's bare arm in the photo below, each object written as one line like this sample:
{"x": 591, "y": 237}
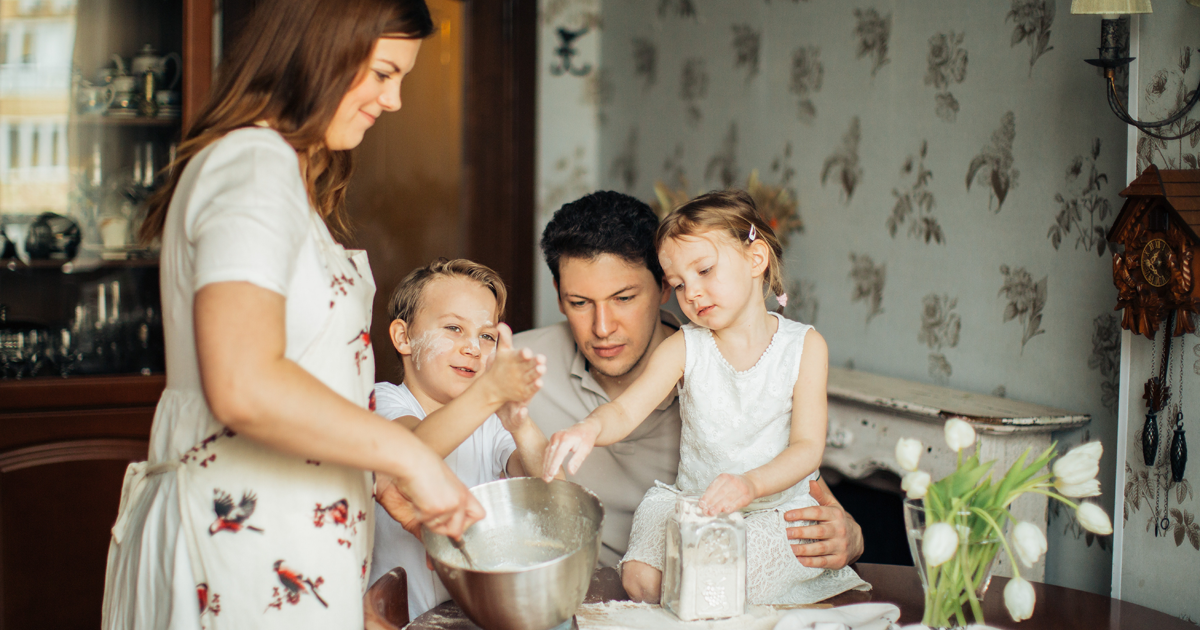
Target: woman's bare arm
{"x": 253, "y": 389}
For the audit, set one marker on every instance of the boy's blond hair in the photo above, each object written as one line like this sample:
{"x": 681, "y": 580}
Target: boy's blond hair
{"x": 733, "y": 213}
{"x": 406, "y": 298}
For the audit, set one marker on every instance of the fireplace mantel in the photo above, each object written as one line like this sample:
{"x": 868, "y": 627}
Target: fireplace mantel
{"x": 868, "y": 413}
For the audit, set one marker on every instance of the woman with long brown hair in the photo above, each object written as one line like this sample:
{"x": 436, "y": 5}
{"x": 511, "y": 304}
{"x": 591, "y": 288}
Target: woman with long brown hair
{"x": 254, "y": 508}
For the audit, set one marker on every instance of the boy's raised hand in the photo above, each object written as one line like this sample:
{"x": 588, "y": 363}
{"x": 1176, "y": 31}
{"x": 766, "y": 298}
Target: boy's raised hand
{"x": 514, "y": 375}
{"x": 513, "y": 416}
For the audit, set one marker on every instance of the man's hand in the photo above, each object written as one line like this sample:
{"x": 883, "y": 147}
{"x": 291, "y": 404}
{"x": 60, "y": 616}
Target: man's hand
{"x": 837, "y": 538}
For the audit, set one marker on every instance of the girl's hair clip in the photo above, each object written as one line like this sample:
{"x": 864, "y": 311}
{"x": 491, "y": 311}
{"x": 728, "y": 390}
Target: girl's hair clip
{"x": 753, "y": 233}
{"x": 782, "y": 299}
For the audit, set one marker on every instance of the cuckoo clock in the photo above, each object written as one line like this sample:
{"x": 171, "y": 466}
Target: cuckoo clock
{"x": 1156, "y": 274}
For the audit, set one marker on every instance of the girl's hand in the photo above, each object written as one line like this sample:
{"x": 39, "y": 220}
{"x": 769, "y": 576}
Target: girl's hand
{"x": 438, "y": 501}
{"x": 728, "y": 493}
{"x": 514, "y": 375}
{"x": 577, "y": 440}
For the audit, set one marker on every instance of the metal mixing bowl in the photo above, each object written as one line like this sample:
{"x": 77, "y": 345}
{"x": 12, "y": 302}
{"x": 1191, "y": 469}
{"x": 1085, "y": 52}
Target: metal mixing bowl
{"x": 534, "y": 554}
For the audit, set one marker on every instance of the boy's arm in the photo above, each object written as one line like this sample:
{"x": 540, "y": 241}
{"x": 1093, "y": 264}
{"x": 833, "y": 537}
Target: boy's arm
{"x": 514, "y": 375}
{"x": 526, "y": 461}
{"x": 810, "y": 412}
{"x": 612, "y": 422}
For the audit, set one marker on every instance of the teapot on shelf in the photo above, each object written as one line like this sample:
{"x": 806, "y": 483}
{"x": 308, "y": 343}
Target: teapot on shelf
{"x": 149, "y": 60}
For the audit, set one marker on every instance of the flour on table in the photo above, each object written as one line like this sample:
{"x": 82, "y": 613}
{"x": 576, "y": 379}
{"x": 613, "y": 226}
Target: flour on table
{"x": 638, "y": 616}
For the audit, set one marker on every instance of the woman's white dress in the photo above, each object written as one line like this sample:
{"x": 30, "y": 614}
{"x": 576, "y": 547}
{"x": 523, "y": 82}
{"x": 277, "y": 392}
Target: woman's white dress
{"x": 215, "y": 530}
{"x": 734, "y": 422}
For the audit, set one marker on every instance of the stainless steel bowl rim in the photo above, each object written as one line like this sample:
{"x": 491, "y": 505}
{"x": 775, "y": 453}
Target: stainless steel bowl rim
{"x": 568, "y": 554}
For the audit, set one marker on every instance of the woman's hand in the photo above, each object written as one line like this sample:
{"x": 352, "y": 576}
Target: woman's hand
{"x": 728, "y": 493}
{"x": 434, "y": 498}
{"x": 388, "y": 495}
{"x": 513, "y": 375}
{"x": 577, "y": 440}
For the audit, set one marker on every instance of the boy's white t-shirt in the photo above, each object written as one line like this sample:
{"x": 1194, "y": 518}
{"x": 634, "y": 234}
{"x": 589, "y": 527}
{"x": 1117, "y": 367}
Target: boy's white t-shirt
{"x": 480, "y": 459}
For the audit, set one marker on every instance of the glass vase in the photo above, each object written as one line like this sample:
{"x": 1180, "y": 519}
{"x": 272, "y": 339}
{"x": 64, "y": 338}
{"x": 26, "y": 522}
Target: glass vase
{"x": 955, "y": 588}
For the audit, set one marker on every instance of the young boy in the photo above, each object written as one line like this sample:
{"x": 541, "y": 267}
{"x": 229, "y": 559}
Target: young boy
{"x": 445, "y": 328}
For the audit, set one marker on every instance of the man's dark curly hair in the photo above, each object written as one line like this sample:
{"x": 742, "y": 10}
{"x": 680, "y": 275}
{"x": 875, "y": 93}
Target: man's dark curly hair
{"x": 603, "y": 222}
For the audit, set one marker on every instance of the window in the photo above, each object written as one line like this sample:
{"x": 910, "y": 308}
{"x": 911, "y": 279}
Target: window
{"x": 14, "y": 148}
{"x": 34, "y": 145}
{"x": 4, "y": 47}
{"x": 55, "y": 158}
{"x": 27, "y": 48}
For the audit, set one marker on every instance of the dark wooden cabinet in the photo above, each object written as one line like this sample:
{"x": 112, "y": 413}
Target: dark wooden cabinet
{"x": 64, "y": 446}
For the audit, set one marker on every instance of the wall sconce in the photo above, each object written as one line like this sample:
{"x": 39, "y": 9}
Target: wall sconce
{"x": 1111, "y": 59}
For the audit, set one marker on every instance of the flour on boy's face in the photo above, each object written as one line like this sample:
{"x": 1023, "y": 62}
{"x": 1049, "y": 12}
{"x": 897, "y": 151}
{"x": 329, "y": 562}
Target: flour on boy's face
{"x": 452, "y": 338}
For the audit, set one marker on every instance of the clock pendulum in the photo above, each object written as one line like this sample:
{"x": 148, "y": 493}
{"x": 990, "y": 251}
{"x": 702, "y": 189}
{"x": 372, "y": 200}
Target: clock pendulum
{"x": 1178, "y": 443}
{"x": 1157, "y": 394}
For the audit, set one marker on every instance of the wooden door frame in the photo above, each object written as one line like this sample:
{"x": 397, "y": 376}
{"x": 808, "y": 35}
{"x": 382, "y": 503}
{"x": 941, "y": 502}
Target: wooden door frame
{"x": 499, "y": 145}
{"x": 499, "y": 121}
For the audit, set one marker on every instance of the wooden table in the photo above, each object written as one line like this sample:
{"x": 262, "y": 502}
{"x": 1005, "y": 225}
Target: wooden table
{"x": 1058, "y": 608}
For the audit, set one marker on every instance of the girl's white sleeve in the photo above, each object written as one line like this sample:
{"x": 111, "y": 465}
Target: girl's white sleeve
{"x": 248, "y": 214}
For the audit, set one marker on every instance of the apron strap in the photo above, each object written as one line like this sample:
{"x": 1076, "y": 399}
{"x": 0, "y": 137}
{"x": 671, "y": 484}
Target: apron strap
{"x": 132, "y": 488}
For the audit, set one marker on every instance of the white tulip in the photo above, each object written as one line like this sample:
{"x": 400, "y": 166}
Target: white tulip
{"x": 1089, "y": 488}
{"x": 1019, "y": 598}
{"x": 915, "y": 484}
{"x": 939, "y": 544}
{"x": 1094, "y": 519}
{"x": 959, "y": 434}
{"x": 1029, "y": 542}
{"x": 1079, "y": 464}
{"x": 908, "y": 453}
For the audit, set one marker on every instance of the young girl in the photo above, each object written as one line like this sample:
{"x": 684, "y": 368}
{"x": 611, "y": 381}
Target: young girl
{"x": 752, "y": 399}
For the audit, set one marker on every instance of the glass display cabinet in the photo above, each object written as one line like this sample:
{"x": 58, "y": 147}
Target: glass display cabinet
{"x": 94, "y": 94}
{"x": 92, "y": 97}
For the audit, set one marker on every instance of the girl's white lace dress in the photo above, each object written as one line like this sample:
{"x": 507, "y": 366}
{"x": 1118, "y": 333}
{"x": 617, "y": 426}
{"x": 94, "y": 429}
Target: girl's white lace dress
{"x": 734, "y": 422}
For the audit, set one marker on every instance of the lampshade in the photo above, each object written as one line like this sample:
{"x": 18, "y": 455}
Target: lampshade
{"x": 1110, "y": 7}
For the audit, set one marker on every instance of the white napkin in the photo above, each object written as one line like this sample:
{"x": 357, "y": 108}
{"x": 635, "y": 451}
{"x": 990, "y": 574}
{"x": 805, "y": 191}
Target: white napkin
{"x": 853, "y": 617}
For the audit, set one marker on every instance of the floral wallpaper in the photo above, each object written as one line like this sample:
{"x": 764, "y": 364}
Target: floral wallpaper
{"x": 947, "y": 66}
{"x": 930, "y": 148}
{"x": 1161, "y": 538}
{"x": 955, "y": 165}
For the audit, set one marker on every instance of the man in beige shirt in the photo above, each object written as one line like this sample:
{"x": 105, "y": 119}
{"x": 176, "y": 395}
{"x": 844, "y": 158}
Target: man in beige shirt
{"x": 600, "y": 250}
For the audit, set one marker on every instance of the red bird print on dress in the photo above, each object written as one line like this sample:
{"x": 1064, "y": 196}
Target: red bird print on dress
{"x": 338, "y": 512}
{"x": 296, "y": 584}
{"x": 360, "y": 355}
{"x": 207, "y": 606}
{"x": 230, "y": 518}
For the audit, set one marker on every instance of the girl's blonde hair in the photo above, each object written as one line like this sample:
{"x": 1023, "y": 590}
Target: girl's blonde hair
{"x": 733, "y": 213}
{"x": 406, "y": 298}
